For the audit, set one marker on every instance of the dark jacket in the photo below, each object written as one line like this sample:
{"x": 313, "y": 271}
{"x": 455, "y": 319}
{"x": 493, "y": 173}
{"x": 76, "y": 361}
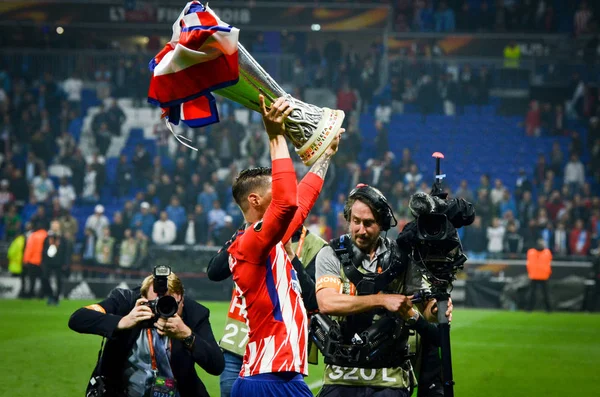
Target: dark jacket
{"x": 59, "y": 260}
{"x": 206, "y": 353}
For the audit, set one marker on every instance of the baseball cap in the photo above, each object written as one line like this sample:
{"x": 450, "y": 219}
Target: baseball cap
{"x": 228, "y": 218}
{"x": 145, "y": 205}
{"x": 4, "y": 182}
{"x": 99, "y": 209}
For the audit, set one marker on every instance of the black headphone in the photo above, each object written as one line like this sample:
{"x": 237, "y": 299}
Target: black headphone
{"x": 377, "y": 200}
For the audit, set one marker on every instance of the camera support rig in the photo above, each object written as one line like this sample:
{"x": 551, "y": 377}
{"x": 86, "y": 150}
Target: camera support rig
{"x": 440, "y": 272}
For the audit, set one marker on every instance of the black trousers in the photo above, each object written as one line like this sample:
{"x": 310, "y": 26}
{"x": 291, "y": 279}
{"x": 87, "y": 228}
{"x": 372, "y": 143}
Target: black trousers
{"x": 366, "y": 391}
{"x": 430, "y": 375}
{"x": 35, "y": 273}
{"x": 57, "y": 272}
{"x": 535, "y": 284}
{"x": 24, "y": 274}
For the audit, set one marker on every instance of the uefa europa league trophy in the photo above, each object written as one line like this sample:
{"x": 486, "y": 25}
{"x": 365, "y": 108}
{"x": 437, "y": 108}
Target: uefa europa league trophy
{"x": 204, "y": 56}
{"x": 310, "y": 128}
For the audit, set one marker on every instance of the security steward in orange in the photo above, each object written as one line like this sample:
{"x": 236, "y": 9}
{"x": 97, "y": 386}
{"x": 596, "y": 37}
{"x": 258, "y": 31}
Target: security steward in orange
{"x": 32, "y": 258}
{"x": 539, "y": 269}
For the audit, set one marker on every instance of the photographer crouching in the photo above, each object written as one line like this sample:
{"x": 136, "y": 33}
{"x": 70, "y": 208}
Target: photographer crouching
{"x": 155, "y": 335}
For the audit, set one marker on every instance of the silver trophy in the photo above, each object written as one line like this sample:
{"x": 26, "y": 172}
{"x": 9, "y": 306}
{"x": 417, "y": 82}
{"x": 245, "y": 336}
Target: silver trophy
{"x": 310, "y": 128}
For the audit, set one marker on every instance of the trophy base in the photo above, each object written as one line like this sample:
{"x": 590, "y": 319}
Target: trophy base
{"x": 323, "y": 136}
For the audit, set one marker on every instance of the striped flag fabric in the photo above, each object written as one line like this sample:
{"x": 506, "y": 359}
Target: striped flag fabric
{"x": 201, "y": 57}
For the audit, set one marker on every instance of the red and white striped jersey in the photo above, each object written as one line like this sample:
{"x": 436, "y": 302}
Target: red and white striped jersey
{"x": 266, "y": 281}
{"x": 275, "y": 315}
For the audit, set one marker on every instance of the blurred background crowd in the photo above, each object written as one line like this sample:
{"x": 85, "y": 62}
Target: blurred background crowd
{"x": 79, "y": 145}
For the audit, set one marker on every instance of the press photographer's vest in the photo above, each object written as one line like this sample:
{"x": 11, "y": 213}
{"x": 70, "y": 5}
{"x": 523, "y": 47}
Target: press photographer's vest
{"x": 235, "y": 336}
{"x": 396, "y": 370}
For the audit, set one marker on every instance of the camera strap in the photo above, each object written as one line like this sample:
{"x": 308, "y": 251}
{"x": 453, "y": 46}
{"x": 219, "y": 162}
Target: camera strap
{"x": 367, "y": 283}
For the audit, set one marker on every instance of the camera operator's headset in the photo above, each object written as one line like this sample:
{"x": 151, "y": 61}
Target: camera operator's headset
{"x": 385, "y": 214}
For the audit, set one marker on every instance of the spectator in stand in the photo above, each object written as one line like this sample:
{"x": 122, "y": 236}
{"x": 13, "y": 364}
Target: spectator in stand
{"x": 6, "y": 196}
{"x": 97, "y": 221}
{"x": 554, "y": 205}
{"x": 143, "y": 220}
{"x": 151, "y": 195}
{"x": 66, "y": 194}
{"x": 115, "y": 118}
{"x": 539, "y": 172}
{"x": 484, "y": 183}
{"x": 164, "y": 230}
{"x": 495, "y": 236}
{"x": 176, "y": 212}
{"x": 475, "y": 239}
{"x": 526, "y": 208}
{"x": 41, "y": 188}
{"x": 41, "y": 217}
{"x": 444, "y": 18}
{"x": 497, "y": 193}
{"x": 141, "y": 258}
{"x": 66, "y": 146}
{"x": 382, "y": 143}
{"x": 103, "y": 139}
{"x": 90, "y": 193}
{"x": 127, "y": 250}
{"x": 207, "y": 197}
{"x": 166, "y": 189}
{"x": 78, "y": 167}
{"x": 216, "y": 219}
{"x": 383, "y": 112}
{"x": 32, "y": 258}
{"x": 192, "y": 191}
{"x": 582, "y": 18}
{"x": 192, "y": 232}
{"x": 117, "y": 228}
{"x": 68, "y": 224}
{"x": 522, "y": 184}
{"x": 513, "y": 241}
{"x": 579, "y": 239}
{"x": 124, "y": 176}
{"x": 413, "y": 175}
{"x": 485, "y": 208}
{"x": 485, "y": 19}
{"x": 574, "y": 174}
{"x": 533, "y": 121}
{"x": 19, "y": 187}
{"x": 12, "y": 224}
{"x": 466, "y": 20}
{"x": 557, "y": 159}
{"x": 105, "y": 245}
{"x": 560, "y": 240}
{"x": 227, "y": 230}
{"x": 507, "y": 203}
{"x": 142, "y": 166}
{"x": 347, "y": 99}
{"x": 73, "y": 86}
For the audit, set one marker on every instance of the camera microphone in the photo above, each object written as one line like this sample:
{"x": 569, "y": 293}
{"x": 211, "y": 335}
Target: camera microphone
{"x": 420, "y": 204}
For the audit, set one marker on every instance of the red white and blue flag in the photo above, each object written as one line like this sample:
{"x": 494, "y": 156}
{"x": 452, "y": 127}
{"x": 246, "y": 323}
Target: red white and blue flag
{"x": 201, "y": 57}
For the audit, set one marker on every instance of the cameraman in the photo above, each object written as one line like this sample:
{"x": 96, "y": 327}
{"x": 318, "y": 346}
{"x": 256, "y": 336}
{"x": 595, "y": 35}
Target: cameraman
{"x": 351, "y": 272}
{"x": 146, "y": 353}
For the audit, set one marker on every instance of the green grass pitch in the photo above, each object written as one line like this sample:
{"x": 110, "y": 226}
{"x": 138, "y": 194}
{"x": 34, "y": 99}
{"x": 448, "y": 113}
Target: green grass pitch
{"x": 494, "y": 353}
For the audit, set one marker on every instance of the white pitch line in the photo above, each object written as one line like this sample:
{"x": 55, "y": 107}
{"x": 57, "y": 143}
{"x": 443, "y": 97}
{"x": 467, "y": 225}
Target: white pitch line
{"x": 315, "y": 384}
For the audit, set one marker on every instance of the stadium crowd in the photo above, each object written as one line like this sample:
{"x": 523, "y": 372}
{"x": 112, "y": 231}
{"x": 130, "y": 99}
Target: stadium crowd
{"x": 173, "y": 195}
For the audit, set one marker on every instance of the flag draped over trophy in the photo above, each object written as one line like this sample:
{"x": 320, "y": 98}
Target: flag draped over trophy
{"x": 201, "y": 57}
{"x": 204, "y": 56}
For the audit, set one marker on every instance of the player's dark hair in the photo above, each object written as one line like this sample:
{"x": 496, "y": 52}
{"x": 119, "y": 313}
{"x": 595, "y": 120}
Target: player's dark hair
{"x": 250, "y": 180}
